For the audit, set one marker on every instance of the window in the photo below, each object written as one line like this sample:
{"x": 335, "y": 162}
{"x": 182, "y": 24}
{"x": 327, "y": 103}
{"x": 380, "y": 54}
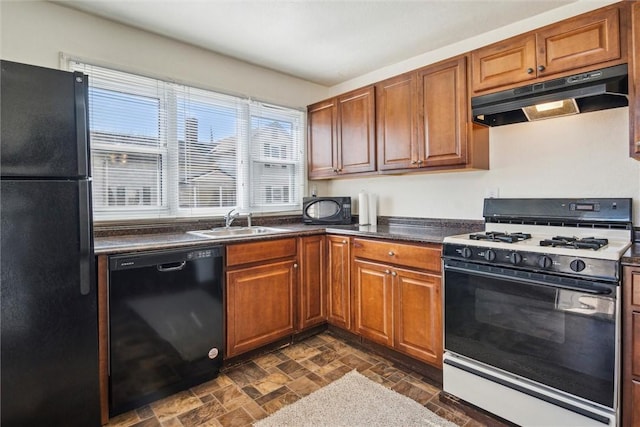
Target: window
{"x": 160, "y": 149}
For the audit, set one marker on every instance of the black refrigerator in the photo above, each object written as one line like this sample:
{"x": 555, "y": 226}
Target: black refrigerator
{"x": 48, "y": 313}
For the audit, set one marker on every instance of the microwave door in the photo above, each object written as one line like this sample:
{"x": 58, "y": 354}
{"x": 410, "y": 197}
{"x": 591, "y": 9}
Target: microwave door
{"x": 323, "y": 209}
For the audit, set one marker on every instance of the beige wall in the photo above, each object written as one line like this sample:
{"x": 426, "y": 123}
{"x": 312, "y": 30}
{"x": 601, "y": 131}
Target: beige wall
{"x": 575, "y": 156}
{"x": 36, "y": 32}
{"x": 579, "y": 156}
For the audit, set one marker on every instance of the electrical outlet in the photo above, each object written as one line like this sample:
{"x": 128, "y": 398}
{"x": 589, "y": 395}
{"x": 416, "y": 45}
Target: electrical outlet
{"x": 492, "y": 193}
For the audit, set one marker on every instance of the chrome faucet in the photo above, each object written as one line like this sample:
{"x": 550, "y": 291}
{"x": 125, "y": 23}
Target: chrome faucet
{"x": 229, "y": 217}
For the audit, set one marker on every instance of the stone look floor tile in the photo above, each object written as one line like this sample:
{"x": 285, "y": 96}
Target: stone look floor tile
{"x": 418, "y": 394}
{"x": 271, "y": 383}
{"x": 172, "y": 422}
{"x": 211, "y": 386}
{"x": 202, "y": 414}
{"x": 303, "y": 386}
{"x": 151, "y": 422}
{"x": 245, "y": 393}
{"x": 236, "y": 418}
{"x": 280, "y": 402}
{"x": 174, "y": 405}
{"x": 227, "y": 394}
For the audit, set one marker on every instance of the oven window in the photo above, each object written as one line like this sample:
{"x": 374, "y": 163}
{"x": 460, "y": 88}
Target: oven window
{"x": 562, "y": 338}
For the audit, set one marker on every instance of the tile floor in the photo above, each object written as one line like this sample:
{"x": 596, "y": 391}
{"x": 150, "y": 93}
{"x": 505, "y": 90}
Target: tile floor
{"x": 245, "y": 393}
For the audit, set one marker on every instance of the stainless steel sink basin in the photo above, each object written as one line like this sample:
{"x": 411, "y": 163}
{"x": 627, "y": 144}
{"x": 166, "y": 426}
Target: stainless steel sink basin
{"x": 222, "y": 232}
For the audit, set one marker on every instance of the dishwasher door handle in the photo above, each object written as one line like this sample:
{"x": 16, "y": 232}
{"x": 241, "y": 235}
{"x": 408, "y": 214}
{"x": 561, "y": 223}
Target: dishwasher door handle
{"x": 165, "y": 268}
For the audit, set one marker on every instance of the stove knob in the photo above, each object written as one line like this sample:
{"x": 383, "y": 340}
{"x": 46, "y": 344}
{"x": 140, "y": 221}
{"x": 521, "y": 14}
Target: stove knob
{"x": 545, "y": 262}
{"x": 515, "y": 258}
{"x": 489, "y": 255}
{"x": 577, "y": 265}
{"x": 466, "y": 253}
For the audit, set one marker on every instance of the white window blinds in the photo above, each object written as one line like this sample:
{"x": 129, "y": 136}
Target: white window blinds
{"x": 160, "y": 149}
{"x": 276, "y": 157}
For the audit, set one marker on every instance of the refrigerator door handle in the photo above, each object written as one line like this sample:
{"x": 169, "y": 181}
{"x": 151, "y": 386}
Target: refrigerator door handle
{"x": 84, "y": 199}
{"x": 82, "y": 136}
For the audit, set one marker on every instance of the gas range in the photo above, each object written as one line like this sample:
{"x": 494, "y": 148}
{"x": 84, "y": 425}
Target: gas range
{"x": 578, "y": 237}
{"x": 531, "y": 310}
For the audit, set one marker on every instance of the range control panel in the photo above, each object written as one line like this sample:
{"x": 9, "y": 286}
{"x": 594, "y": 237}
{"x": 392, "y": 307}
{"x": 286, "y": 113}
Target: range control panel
{"x": 535, "y": 261}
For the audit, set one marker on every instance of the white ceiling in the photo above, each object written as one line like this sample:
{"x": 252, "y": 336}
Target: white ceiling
{"x": 322, "y": 41}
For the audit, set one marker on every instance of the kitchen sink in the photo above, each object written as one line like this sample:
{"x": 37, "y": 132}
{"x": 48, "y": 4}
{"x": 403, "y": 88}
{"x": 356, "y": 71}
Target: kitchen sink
{"x": 222, "y": 232}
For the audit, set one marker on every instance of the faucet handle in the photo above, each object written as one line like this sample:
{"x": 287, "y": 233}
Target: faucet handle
{"x": 249, "y": 220}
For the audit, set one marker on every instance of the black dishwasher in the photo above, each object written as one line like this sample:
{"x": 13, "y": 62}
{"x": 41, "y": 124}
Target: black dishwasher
{"x": 165, "y": 323}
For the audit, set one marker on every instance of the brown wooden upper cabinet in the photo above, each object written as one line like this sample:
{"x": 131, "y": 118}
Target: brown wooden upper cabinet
{"x": 634, "y": 81}
{"x": 422, "y": 118}
{"x": 341, "y": 135}
{"x": 568, "y": 47}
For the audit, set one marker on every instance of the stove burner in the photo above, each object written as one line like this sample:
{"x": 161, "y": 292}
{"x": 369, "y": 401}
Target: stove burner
{"x": 575, "y": 243}
{"x": 495, "y": 236}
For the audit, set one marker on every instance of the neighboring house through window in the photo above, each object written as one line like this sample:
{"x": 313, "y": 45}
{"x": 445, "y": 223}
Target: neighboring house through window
{"x": 160, "y": 149}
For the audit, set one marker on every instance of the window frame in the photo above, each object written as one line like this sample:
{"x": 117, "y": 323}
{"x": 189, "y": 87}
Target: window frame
{"x": 168, "y": 149}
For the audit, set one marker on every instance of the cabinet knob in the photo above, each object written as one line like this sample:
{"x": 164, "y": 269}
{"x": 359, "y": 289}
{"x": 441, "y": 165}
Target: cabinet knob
{"x": 295, "y": 265}
{"x": 391, "y": 253}
{"x": 344, "y": 242}
{"x": 335, "y": 171}
{"x": 415, "y": 162}
{"x": 393, "y": 273}
{"x": 540, "y": 67}
{"x": 529, "y": 70}
{"x": 420, "y": 162}
{"x": 387, "y": 271}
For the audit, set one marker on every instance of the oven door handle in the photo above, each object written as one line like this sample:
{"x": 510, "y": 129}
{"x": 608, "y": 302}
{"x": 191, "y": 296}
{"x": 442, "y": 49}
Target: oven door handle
{"x": 589, "y": 288}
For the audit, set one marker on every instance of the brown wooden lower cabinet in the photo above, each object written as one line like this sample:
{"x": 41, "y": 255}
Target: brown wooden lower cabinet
{"x": 260, "y": 293}
{"x": 312, "y": 295}
{"x": 396, "y": 303}
{"x": 373, "y": 301}
{"x": 399, "y": 308}
{"x": 418, "y": 315}
{"x": 631, "y": 346}
{"x": 339, "y": 281}
{"x": 260, "y": 304}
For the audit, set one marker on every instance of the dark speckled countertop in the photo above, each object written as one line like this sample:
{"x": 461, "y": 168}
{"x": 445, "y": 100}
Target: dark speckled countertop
{"x": 411, "y": 231}
{"x": 632, "y": 255}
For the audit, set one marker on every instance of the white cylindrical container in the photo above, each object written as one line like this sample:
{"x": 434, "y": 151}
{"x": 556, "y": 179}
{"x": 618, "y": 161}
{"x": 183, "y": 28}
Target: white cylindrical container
{"x": 373, "y": 209}
{"x": 363, "y": 208}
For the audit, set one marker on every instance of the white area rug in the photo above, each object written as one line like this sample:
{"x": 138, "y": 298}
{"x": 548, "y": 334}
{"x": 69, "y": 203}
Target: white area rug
{"x": 354, "y": 400}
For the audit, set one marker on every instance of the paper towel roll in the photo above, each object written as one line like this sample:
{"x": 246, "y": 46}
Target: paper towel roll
{"x": 373, "y": 209}
{"x": 363, "y": 208}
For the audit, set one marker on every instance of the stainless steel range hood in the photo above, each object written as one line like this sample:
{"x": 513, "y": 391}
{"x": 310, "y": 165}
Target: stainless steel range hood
{"x": 580, "y": 93}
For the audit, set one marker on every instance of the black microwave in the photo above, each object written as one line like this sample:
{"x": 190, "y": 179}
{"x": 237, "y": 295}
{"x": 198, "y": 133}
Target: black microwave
{"x": 326, "y": 210}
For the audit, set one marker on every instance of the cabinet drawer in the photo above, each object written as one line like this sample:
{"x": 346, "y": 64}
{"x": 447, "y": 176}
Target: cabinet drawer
{"x": 422, "y": 257}
{"x": 247, "y": 253}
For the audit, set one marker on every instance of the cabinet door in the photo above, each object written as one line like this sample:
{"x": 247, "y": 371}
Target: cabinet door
{"x": 635, "y": 406}
{"x": 356, "y": 132}
{"x": 631, "y": 346}
{"x": 579, "y": 42}
{"x": 443, "y": 112}
{"x": 418, "y": 315}
{"x": 312, "y": 303}
{"x": 322, "y": 139}
{"x": 260, "y": 303}
{"x": 373, "y": 301}
{"x": 634, "y": 82}
{"x": 395, "y": 120}
{"x": 504, "y": 63}
{"x": 339, "y": 278}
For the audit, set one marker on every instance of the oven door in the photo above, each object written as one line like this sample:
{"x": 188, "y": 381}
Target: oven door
{"x": 553, "y": 330}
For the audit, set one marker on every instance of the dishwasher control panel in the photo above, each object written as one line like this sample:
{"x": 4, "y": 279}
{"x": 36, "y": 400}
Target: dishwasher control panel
{"x": 149, "y": 258}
